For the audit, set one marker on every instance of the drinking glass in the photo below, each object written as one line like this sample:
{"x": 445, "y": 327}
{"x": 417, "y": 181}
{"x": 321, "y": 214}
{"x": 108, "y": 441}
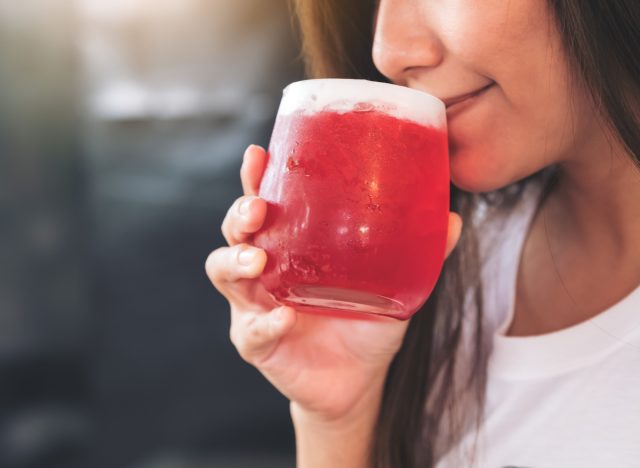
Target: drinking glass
{"x": 357, "y": 192}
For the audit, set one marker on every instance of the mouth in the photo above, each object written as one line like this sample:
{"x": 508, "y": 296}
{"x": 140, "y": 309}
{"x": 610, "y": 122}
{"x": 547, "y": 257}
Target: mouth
{"x": 455, "y": 101}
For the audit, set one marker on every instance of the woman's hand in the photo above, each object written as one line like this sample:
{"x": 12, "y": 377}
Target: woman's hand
{"x": 324, "y": 365}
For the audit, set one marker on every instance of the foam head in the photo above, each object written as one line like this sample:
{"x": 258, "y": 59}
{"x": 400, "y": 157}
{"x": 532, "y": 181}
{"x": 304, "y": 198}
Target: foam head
{"x": 345, "y": 95}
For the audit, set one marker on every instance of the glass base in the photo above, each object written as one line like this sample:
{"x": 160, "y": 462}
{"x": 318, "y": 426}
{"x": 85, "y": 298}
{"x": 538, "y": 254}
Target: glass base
{"x": 348, "y": 300}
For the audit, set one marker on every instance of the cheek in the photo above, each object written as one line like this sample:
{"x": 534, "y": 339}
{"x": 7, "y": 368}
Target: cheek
{"x": 530, "y": 119}
{"x": 485, "y": 159}
{"x": 526, "y": 121}
{"x": 498, "y": 141}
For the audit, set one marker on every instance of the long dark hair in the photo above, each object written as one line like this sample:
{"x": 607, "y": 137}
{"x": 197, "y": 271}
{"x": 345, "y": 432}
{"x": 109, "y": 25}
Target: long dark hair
{"x": 420, "y": 408}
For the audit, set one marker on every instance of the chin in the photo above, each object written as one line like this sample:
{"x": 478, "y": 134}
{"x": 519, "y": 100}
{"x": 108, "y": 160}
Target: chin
{"x": 472, "y": 172}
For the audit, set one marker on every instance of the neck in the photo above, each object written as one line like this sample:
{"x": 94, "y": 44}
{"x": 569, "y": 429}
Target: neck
{"x": 596, "y": 198}
{"x": 582, "y": 253}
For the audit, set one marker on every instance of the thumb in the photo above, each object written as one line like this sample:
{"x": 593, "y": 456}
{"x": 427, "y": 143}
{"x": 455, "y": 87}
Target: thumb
{"x": 453, "y": 233}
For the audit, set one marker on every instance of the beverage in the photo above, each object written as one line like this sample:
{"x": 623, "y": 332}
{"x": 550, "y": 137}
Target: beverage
{"x": 358, "y": 204}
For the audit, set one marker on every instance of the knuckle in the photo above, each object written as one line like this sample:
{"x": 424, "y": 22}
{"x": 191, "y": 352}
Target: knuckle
{"x": 242, "y": 247}
{"x": 242, "y": 349}
{"x": 236, "y": 338}
{"x": 247, "y": 320}
{"x": 255, "y": 333}
{"x": 252, "y": 329}
{"x": 213, "y": 265}
{"x": 238, "y": 220}
{"x": 243, "y": 352}
{"x": 238, "y": 202}
{"x": 250, "y": 260}
{"x": 243, "y": 333}
{"x": 224, "y": 264}
{"x": 243, "y": 204}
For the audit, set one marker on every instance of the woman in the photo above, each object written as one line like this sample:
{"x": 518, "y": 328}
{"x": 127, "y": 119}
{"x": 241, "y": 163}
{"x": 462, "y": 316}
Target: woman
{"x": 528, "y": 351}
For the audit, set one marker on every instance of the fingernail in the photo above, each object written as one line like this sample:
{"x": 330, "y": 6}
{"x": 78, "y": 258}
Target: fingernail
{"x": 247, "y": 257}
{"x": 244, "y": 206}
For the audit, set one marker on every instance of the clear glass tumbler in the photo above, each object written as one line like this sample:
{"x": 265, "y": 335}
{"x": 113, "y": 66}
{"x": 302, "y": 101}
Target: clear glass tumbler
{"x": 357, "y": 186}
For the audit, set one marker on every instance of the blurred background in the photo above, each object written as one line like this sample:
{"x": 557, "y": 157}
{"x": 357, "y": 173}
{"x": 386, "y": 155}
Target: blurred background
{"x": 122, "y": 128}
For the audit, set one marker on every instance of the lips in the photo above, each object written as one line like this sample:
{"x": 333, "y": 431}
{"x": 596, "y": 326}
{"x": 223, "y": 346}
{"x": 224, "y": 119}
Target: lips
{"x": 450, "y": 102}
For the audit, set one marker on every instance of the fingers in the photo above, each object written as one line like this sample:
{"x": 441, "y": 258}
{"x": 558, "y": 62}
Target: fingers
{"x": 253, "y": 164}
{"x": 255, "y": 328}
{"x": 246, "y": 215}
{"x": 227, "y": 266}
{"x": 244, "y": 218}
{"x": 453, "y": 234}
{"x": 255, "y": 335}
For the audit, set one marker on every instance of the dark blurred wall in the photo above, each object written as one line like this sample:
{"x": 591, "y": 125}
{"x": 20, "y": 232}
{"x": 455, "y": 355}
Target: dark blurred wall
{"x": 124, "y": 123}
{"x": 46, "y": 323}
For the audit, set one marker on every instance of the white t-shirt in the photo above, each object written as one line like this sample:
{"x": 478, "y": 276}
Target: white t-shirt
{"x": 570, "y": 398}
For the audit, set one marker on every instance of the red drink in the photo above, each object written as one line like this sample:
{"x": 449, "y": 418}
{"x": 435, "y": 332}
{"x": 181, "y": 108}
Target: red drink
{"x": 358, "y": 207}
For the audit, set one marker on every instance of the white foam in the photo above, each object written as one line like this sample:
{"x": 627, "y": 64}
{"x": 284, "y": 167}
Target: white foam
{"x": 346, "y": 95}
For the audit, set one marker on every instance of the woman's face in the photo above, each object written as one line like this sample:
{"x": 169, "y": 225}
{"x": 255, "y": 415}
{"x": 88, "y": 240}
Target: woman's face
{"x": 500, "y": 68}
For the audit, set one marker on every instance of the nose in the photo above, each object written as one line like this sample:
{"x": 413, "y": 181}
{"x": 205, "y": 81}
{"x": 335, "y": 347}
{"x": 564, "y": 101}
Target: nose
{"x": 404, "y": 40}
